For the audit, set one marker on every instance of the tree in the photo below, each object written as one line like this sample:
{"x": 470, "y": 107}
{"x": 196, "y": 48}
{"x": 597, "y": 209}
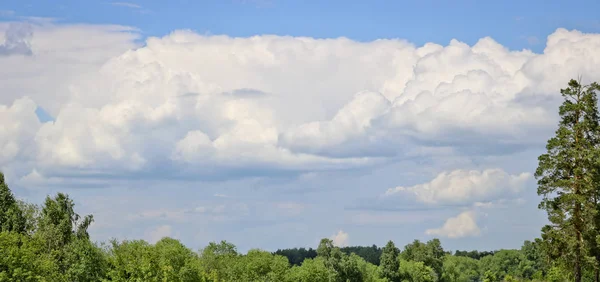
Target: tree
{"x": 84, "y": 261}
{"x": 416, "y": 271}
{"x": 370, "y": 254}
{"x": 311, "y": 270}
{"x": 503, "y": 263}
{"x": 332, "y": 257}
{"x": 297, "y": 255}
{"x": 568, "y": 176}
{"x": 11, "y": 216}
{"x": 460, "y": 269}
{"x": 389, "y": 262}
{"x": 430, "y": 253}
{"x": 218, "y": 258}
{"x": 59, "y": 224}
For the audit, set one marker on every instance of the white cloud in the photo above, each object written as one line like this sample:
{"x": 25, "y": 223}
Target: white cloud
{"x": 465, "y": 187}
{"x": 126, "y": 4}
{"x": 188, "y": 105}
{"x": 341, "y": 239}
{"x": 290, "y": 208}
{"x": 158, "y": 233}
{"x": 463, "y": 225}
{"x": 62, "y": 55}
{"x": 18, "y": 126}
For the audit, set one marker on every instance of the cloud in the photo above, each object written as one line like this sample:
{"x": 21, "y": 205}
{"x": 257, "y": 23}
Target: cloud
{"x": 18, "y": 126}
{"x": 6, "y": 13}
{"x": 126, "y": 4}
{"x": 17, "y": 40}
{"x": 158, "y": 233}
{"x": 61, "y": 59}
{"x": 464, "y": 187}
{"x": 187, "y": 106}
{"x": 463, "y": 225}
{"x": 290, "y": 208}
{"x": 341, "y": 239}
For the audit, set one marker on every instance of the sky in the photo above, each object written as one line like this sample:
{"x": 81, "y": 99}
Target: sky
{"x": 273, "y": 124}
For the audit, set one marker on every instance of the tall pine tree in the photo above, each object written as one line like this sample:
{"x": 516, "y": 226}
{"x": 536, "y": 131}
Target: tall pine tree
{"x": 389, "y": 266}
{"x": 568, "y": 178}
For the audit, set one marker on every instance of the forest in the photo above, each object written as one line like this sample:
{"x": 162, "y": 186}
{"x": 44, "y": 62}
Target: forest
{"x": 50, "y": 242}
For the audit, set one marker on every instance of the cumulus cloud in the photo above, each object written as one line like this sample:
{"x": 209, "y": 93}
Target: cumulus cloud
{"x": 18, "y": 126}
{"x": 17, "y": 40}
{"x": 63, "y": 54}
{"x": 187, "y": 105}
{"x": 340, "y": 239}
{"x": 464, "y": 187}
{"x": 462, "y": 225}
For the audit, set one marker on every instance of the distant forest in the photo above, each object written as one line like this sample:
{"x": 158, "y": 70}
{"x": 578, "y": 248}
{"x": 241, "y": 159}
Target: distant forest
{"x": 370, "y": 254}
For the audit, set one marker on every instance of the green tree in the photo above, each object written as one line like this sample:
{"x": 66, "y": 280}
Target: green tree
{"x": 11, "y": 216}
{"x": 533, "y": 265}
{"x": 430, "y": 253}
{"x": 23, "y": 258}
{"x": 133, "y": 261}
{"x": 59, "y": 224}
{"x": 217, "y": 260}
{"x": 176, "y": 262}
{"x": 416, "y": 271}
{"x": 389, "y": 265}
{"x": 311, "y": 270}
{"x": 460, "y": 269}
{"x": 84, "y": 261}
{"x": 568, "y": 176}
{"x": 258, "y": 265}
{"x": 503, "y": 263}
{"x": 31, "y": 212}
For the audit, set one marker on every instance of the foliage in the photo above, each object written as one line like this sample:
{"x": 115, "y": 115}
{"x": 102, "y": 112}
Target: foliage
{"x": 416, "y": 271}
{"x": 297, "y": 255}
{"x": 568, "y": 178}
{"x": 460, "y": 269}
{"x": 389, "y": 267}
{"x": 11, "y": 216}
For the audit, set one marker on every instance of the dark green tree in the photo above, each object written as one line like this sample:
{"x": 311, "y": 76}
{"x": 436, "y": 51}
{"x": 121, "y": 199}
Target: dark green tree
{"x": 568, "y": 177}
{"x": 11, "y": 216}
{"x": 389, "y": 264}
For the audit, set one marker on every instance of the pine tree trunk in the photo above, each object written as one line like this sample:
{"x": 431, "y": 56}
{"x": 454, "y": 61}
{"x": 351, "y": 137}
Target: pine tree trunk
{"x": 577, "y": 267}
{"x": 596, "y": 274}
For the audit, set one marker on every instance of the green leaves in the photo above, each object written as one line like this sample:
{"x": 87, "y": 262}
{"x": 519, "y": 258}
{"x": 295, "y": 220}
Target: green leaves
{"x": 389, "y": 262}
{"x": 11, "y": 216}
{"x": 568, "y": 176}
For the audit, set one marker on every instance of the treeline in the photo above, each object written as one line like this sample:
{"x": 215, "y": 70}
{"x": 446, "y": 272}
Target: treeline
{"x": 51, "y": 243}
{"x": 297, "y": 255}
{"x": 370, "y": 254}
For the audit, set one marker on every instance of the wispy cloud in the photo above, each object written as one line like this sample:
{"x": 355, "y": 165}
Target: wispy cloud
{"x": 126, "y": 4}
{"x": 39, "y": 20}
{"x": 6, "y": 13}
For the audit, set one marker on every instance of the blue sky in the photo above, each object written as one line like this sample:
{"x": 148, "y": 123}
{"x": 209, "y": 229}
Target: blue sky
{"x": 252, "y": 121}
{"x": 513, "y": 23}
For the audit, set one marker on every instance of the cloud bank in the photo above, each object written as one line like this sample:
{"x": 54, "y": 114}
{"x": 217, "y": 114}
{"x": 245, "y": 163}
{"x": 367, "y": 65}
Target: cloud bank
{"x": 193, "y": 106}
